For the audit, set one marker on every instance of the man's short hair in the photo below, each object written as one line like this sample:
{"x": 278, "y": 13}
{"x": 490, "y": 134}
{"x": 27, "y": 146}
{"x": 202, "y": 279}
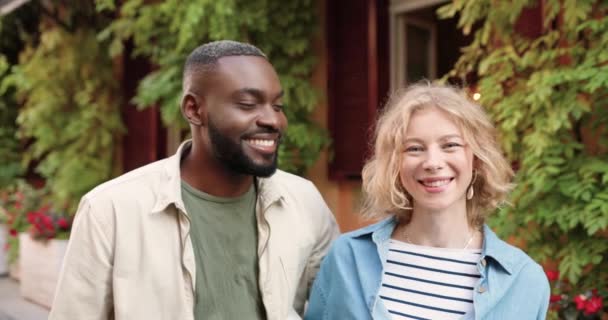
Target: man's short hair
{"x": 205, "y": 57}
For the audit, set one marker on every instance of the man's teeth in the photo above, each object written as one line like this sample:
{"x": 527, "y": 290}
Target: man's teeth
{"x": 436, "y": 183}
{"x": 261, "y": 142}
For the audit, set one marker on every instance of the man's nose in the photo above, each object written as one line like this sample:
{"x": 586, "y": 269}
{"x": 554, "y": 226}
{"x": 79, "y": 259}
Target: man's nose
{"x": 271, "y": 118}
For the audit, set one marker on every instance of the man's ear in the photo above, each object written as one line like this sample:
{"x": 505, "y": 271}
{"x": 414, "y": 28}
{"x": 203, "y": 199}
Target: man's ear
{"x": 193, "y": 109}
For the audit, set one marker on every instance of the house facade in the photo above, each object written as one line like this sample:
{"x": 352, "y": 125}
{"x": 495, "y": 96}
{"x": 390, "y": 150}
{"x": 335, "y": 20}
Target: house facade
{"x": 367, "y": 49}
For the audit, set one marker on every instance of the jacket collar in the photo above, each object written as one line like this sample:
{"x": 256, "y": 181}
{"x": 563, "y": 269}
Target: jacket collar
{"x": 171, "y": 190}
{"x": 170, "y": 186}
{"x": 500, "y": 252}
{"x": 268, "y": 192}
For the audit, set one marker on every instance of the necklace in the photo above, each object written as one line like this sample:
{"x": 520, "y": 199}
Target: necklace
{"x": 407, "y": 238}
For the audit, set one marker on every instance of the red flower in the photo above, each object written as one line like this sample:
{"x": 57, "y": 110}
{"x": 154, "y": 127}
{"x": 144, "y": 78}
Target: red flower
{"x": 63, "y": 223}
{"x": 581, "y": 301}
{"x": 32, "y": 216}
{"x": 13, "y": 232}
{"x": 555, "y": 298}
{"x": 552, "y": 275}
{"x": 593, "y": 305}
{"x": 47, "y": 222}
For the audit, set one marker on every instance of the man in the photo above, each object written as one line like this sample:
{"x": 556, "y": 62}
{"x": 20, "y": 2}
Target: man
{"x": 213, "y": 232}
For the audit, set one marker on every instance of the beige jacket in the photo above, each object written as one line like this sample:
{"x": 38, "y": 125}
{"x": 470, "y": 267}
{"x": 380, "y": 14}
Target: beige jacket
{"x": 130, "y": 255}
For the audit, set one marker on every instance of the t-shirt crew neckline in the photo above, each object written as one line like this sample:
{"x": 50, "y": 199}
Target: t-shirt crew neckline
{"x": 208, "y": 197}
{"x": 436, "y": 249}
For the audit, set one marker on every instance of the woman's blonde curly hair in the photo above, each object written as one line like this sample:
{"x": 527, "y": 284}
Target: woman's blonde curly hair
{"x": 383, "y": 193}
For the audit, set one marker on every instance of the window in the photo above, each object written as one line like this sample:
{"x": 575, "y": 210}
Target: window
{"x": 413, "y": 41}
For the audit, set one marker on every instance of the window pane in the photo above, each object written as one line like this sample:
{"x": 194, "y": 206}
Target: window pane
{"x": 418, "y": 55}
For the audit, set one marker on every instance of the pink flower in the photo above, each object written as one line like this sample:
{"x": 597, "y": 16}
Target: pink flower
{"x": 555, "y": 298}
{"x": 593, "y": 305}
{"x": 552, "y": 275}
{"x": 581, "y": 301}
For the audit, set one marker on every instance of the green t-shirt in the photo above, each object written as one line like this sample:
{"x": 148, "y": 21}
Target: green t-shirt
{"x": 224, "y": 237}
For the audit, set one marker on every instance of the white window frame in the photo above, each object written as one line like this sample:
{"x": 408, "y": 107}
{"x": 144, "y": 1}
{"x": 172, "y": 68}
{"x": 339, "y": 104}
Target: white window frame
{"x": 398, "y": 22}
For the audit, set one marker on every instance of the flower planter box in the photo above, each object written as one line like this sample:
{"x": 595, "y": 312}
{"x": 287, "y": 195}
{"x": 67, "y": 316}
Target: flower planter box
{"x": 39, "y": 264}
{"x": 13, "y": 270}
{"x": 3, "y": 243}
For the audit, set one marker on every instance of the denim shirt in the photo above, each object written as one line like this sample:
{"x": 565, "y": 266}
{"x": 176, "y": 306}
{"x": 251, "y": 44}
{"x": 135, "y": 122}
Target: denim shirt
{"x": 512, "y": 285}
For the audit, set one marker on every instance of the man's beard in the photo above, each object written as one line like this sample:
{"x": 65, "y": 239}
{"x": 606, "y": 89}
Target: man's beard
{"x": 232, "y": 155}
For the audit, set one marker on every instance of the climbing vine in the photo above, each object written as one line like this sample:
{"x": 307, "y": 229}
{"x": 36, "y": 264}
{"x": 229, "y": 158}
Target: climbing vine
{"x": 548, "y": 94}
{"x": 167, "y": 31}
{"x": 66, "y": 100}
{"x": 9, "y": 144}
{"x": 12, "y": 38}
{"x": 69, "y": 111}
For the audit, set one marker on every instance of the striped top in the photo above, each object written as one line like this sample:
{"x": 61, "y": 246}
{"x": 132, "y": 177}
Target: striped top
{"x": 429, "y": 283}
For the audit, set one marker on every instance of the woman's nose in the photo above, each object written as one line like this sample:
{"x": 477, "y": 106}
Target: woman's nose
{"x": 433, "y": 160}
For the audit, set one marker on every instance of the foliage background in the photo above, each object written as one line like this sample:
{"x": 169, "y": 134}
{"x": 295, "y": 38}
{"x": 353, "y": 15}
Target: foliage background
{"x": 12, "y": 34}
{"x": 63, "y": 88}
{"x": 62, "y": 80}
{"x": 9, "y": 146}
{"x": 167, "y": 31}
{"x": 549, "y": 96}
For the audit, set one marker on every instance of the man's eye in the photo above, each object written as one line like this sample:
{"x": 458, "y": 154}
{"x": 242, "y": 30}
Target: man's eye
{"x": 247, "y": 105}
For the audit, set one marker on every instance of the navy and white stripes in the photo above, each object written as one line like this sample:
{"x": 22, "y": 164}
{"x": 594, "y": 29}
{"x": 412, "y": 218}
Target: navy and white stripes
{"x": 429, "y": 283}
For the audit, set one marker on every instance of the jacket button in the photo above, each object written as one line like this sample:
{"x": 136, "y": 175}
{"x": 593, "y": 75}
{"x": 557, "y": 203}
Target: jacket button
{"x": 481, "y": 289}
{"x": 483, "y": 262}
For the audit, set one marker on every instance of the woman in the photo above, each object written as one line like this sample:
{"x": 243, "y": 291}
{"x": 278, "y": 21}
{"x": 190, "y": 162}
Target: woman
{"x": 436, "y": 172}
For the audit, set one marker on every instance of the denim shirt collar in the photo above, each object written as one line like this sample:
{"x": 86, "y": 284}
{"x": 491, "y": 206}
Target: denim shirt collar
{"x": 494, "y": 251}
{"x": 493, "y": 247}
{"x": 498, "y": 250}
{"x": 510, "y": 282}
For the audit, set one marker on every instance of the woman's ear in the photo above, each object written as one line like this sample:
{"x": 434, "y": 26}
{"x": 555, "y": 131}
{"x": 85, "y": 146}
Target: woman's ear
{"x": 476, "y": 163}
{"x": 193, "y": 109}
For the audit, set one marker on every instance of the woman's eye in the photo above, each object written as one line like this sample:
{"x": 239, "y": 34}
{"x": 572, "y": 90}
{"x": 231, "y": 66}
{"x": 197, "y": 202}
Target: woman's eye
{"x": 413, "y": 149}
{"x": 452, "y": 145}
{"x": 278, "y": 107}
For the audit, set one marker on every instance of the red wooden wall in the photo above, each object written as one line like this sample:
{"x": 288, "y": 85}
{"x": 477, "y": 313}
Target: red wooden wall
{"x": 146, "y": 138}
{"x": 358, "y": 78}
